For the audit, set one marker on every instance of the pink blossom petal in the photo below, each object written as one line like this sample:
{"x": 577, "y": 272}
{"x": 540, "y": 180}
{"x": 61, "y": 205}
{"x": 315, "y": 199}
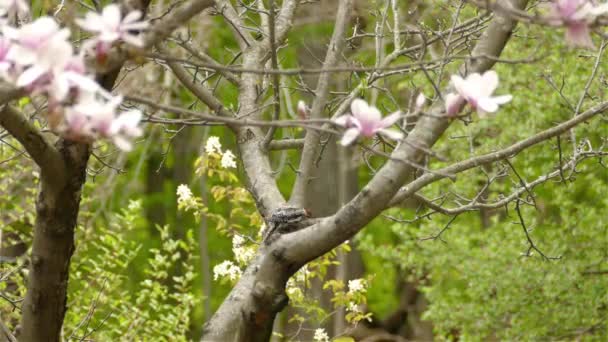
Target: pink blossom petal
{"x": 578, "y": 35}
{"x": 349, "y": 136}
{"x": 453, "y": 103}
{"x": 30, "y": 75}
{"x": 389, "y": 120}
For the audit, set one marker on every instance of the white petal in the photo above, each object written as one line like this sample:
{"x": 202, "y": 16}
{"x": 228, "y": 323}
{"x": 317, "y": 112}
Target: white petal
{"x": 391, "y": 134}
{"x": 140, "y": 25}
{"x": 389, "y": 120}
{"x": 420, "y": 100}
{"x": 459, "y": 84}
{"x": 111, "y": 15}
{"x": 489, "y": 82}
{"x": 502, "y": 99}
{"x": 487, "y": 104}
{"x": 131, "y": 17}
{"x": 349, "y": 136}
{"x": 344, "y": 120}
{"x": 358, "y": 106}
{"x": 30, "y": 76}
{"x": 92, "y": 22}
{"x": 122, "y": 143}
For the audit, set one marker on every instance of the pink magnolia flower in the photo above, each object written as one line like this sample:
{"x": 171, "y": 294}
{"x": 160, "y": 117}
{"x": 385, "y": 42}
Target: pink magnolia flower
{"x": 38, "y": 49}
{"x": 32, "y": 39}
{"x": 110, "y": 27}
{"x": 477, "y": 91}
{"x": 302, "y": 110}
{"x": 367, "y": 121}
{"x": 576, "y": 15}
{"x": 420, "y": 101}
{"x": 72, "y": 80}
{"x": 124, "y": 128}
{"x": 92, "y": 118}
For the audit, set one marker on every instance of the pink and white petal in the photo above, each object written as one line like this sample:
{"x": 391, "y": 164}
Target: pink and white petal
{"x": 389, "y": 120}
{"x": 391, "y": 134}
{"x": 111, "y": 15}
{"x": 349, "y": 136}
{"x": 578, "y": 35}
{"x": 487, "y": 104}
{"x": 453, "y": 103}
{"x": 459, "y": 84}
{"x": 140, "y": 25}
{"x": 358, "y": 106}
{"x": 131, "y": 17}
{"x": 30, "y": 75}
{"x": 370, "y": 117}
{"x": 122, "y": 143}
{"x": 59, "y": 89}
{"x": 82, "y": 82}
{"x": 489, "y": 82}
{"x": 92, "y": 22}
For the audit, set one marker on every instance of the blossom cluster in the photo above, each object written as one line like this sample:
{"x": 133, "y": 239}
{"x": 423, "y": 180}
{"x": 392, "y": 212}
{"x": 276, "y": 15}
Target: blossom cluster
{"x": 213, "y": 146}
{"x": 476, "y": 90}
{"x": 577, "y": 16}
{"x": 39, "y": 58}
{"x": 243, "y": 253}
{"x": 226, "y": 269}
{"x": 321, "y": 335}
{"x": 357, "y": 285}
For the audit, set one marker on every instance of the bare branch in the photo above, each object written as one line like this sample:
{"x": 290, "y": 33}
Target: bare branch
{"x": 512, "y": 150}
{"x": 311, "y": 144}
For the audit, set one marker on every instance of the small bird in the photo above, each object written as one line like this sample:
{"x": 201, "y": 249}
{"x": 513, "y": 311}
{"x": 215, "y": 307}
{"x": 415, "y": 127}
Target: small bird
{"x": 283, "y": 220}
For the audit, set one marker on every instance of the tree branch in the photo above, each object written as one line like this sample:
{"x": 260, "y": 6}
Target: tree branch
{"x": 304, "y": 245}
{"x": 42, "y": 151}
{"x": 512, "y": 150}
{"x": 312, "y": 140}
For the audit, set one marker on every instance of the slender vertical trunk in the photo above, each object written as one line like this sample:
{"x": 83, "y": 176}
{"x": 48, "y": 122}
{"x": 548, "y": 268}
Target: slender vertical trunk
{"x": 57, "y": 208}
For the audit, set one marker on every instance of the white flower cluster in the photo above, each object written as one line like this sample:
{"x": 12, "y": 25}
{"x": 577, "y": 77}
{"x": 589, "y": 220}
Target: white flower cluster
{"x": 185, "y": 199}
{"x": 357, "y": 285}
{"x": 213, "y": 145}
{"x": 226, "y": 269}
{"x": 354, "y": 308}
{"x": 321, "y": 335}
{"x": 242, "y": 253}
{"x": 39, "y": 58}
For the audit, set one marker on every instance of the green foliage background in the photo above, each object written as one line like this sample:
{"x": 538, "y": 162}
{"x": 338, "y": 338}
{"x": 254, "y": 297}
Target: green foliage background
{"x": 132, "y": 279}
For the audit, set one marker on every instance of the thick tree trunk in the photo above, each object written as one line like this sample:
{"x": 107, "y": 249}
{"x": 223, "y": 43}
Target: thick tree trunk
{"x": 57, "y": 208}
